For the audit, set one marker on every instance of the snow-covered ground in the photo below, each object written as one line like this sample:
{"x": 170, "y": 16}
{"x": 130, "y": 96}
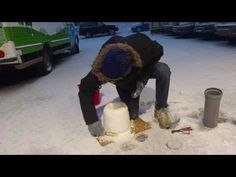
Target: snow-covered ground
{"x": 43, "y": 115}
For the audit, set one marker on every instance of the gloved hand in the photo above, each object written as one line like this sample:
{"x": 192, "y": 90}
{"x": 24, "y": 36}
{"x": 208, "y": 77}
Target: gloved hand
{"x": 96, "y": 129}
{"x": 139, "y": 88}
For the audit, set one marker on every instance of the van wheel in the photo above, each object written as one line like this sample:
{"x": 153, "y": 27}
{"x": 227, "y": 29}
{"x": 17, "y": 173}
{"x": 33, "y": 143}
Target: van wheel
{"x": 111, "y": 32}
{"x": 75, "y": 48}
{"x": 45, "y": 67}
{"x": 88, "y": 35}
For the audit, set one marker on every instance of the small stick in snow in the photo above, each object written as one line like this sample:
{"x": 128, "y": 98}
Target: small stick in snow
{"x": 185, "y": 130}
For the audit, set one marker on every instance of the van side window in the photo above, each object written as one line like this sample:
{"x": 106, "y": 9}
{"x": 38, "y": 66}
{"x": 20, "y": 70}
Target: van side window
{"x": 25, "y": 23}
{"x": 28, "y": 24}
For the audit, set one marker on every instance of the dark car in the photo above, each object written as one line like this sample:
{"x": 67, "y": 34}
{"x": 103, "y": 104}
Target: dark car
{"x": 205, "y": 28}
{"x": 88, "y": 29}
{"x": 167, "y": 27}
{"x": 143, "y": 26}
{"x": 183, "y": 28}
{"x": 226, "y": 30}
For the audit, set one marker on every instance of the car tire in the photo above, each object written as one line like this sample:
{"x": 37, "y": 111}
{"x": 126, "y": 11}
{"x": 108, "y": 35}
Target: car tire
{"x": 111, "y": 32}
{"x": 45, "y": 67}
{"x": 75, "y": 48}
{"x": 88, "y": 35}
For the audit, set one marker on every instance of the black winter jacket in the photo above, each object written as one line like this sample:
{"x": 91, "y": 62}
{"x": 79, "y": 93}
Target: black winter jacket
{"x": 144, "y": 52}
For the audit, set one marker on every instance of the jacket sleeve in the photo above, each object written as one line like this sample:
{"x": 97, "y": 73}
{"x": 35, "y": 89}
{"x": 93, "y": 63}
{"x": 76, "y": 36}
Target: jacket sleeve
{"x": 157, "y": 53}
{"x": 88, "y": 86}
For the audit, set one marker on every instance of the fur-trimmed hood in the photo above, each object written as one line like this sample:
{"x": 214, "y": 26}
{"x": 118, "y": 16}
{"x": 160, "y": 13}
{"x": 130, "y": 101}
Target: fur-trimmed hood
{"x": 96, "y": 66}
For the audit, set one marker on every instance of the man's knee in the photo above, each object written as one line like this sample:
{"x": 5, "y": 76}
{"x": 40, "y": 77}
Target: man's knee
{"x": 162, "y": 70}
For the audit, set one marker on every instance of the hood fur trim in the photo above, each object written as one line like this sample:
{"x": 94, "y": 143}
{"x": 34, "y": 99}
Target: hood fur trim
{"x": 96, "y": 66}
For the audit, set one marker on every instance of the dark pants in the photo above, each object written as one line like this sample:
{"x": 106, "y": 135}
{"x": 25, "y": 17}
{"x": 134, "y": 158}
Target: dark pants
{"x": 161, "y": 72}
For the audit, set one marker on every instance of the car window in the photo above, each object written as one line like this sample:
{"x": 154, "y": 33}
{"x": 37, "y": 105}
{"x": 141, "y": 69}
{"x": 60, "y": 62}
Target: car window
{"x": 185, "y": 23}
{"x": 81, "y": 25}
{"x": 199, "y": 23}
{"x": 205, "y": 23}
{"x": 88, "y": 24}
{"x": 100, "y": 24}
{"x": 136, "y": 24}
{"x": 174, "y": 23}
{"x": 92, "y": 24}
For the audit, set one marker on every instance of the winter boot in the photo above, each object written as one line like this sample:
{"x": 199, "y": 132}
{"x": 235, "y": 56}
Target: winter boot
{"x": 163, "y": 118}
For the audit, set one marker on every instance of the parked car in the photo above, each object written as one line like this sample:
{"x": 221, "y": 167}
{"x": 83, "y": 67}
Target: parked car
{"x": 88, "y": 29}
{"x": 143, "y": 26}
{"x": 167, "y": 26}
{"x": 227, "y": 30}
{"x": 183, "y": 28}
{"x": 205, "y": 28}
